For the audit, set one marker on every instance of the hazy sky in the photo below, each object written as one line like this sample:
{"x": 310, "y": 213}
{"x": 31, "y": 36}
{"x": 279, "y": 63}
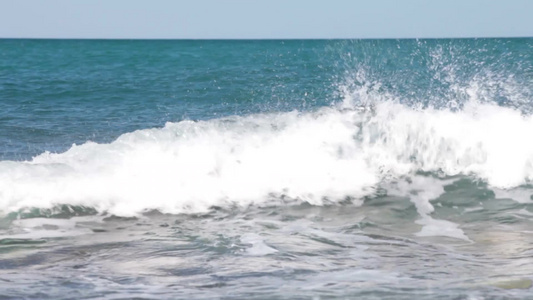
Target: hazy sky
{"x": 198, "y": 19}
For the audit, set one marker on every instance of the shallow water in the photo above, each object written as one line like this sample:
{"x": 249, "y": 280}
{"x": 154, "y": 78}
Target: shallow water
{"x": 287, "y": 251}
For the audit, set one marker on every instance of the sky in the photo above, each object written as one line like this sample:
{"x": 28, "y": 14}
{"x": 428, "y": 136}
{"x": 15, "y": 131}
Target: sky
{"x": 264, "y": 19}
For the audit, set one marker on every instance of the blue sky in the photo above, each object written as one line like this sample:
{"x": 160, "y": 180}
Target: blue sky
{"x": 234, "y": 19}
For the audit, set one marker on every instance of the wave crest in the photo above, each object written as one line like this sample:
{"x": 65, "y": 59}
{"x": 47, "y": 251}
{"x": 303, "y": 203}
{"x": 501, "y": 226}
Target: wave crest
{"x": 326, "y": 155}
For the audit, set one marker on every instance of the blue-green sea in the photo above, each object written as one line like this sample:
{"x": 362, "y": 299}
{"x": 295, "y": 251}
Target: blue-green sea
{"x": 266, "y": 169}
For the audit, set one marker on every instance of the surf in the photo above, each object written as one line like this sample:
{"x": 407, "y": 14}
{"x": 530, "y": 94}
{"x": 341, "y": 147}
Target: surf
{"x": 324, "y": 156}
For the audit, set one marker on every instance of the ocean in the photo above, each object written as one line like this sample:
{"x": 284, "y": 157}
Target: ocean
{"x": 266, "y": 169}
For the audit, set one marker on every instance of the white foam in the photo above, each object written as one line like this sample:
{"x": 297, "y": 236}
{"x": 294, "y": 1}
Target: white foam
{"x": 421, "y": 191}
{"x": 520, "y": 195}
{"x": 434, "y": 227}
{"x": 328, "y": 154}
{"x": 484, "y": 140}
{"x": 190, "y": 166}
{"x": 258, "y": 248}
{"x": 38, "y": 228}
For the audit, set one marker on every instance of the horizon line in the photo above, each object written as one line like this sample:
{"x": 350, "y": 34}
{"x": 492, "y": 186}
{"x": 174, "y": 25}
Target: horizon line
{"x": 261, "y": 39}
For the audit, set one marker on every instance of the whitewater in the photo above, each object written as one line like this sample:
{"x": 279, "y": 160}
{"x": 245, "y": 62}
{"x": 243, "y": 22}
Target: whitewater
{"x": 329, "y": 155}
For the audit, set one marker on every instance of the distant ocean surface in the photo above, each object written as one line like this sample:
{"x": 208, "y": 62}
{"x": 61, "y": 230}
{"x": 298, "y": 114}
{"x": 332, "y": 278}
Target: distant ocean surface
{"x": 276, "y": 169}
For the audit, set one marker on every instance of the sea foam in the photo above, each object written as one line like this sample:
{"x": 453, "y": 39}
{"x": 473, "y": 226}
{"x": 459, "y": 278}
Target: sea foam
{"x": 327, "y": 155}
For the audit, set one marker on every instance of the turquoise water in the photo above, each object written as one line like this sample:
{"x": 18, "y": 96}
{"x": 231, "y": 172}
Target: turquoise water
{"x": 287, "y": 169}
{"x": 65, "y": 92}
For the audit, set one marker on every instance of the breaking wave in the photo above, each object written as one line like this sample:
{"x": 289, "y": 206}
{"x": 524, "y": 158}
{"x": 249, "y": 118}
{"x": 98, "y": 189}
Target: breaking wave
{"x": 331, "y": 154}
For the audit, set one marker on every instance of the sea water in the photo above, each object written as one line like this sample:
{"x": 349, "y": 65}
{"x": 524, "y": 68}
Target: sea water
{"x": 281, "y": 169}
